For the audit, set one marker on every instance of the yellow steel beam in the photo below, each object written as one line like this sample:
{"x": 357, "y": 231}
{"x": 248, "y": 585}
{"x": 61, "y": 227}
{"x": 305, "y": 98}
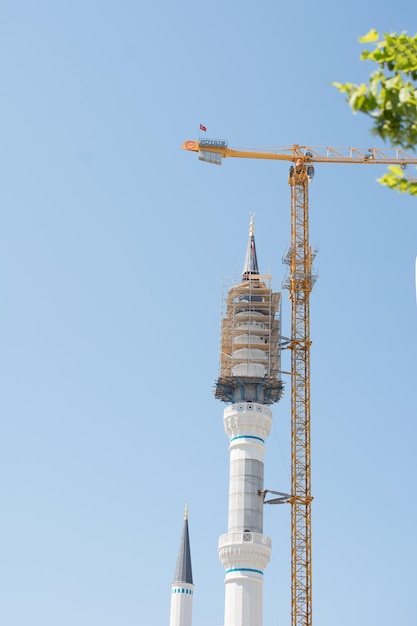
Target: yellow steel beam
{"x": 300, "y": 284}
{"x": 311, "y": 154}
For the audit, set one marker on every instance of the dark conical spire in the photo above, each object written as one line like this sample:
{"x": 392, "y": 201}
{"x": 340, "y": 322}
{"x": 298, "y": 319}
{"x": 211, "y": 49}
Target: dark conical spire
{"x": 183, "y": 571}
{"x": 250, "y": 268}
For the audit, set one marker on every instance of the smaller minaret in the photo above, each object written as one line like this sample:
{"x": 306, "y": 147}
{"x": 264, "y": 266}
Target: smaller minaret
{"x": 182, "y": 587}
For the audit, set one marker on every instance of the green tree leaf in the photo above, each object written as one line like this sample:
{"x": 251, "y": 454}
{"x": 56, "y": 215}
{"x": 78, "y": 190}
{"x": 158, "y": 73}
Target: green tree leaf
{"x": 390, "y": 96}
{"x": 371, "y": 36}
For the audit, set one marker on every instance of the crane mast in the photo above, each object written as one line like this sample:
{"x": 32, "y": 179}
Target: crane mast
{"x": 300, "y": 282}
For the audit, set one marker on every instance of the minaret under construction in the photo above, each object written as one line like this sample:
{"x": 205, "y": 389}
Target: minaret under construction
{"x": 182, "y": 587}
{"x": 249, "y": 382}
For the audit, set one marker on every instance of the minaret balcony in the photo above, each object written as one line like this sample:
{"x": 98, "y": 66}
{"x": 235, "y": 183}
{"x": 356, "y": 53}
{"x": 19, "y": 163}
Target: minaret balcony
{"x": 244, "y": 550}
{"x": 247, "y": 418}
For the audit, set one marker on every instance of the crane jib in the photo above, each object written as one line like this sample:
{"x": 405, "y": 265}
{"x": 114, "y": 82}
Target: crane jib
{"x": 309, "y": 154}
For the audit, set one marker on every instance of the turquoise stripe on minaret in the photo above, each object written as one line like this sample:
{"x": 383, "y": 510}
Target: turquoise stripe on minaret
{"x": 248, "y": 437}
{"x": 244, "y": 569}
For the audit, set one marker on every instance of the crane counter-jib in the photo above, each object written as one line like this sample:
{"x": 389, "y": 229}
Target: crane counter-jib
{"x": 388, "y": 156}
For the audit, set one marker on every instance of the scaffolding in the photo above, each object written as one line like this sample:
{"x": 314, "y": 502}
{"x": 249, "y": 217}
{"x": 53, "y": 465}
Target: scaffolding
{"x": 250, "y": 360}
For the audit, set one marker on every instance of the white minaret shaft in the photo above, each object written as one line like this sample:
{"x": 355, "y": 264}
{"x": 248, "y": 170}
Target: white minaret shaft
{"x": 244, "y": 550}
{"x": 249, "y": 382}
{"x": 182, "y": 588}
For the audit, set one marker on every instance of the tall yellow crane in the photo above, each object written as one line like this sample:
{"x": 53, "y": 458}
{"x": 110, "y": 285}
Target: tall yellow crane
{"x": 300, "y": 283}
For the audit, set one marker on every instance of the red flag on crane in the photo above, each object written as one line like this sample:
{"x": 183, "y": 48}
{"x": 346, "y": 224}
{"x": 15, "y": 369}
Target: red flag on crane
{"x": 203, "y": 128}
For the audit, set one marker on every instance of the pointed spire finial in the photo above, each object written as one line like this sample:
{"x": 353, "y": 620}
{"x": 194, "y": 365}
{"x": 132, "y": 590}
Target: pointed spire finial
{"x": 186, "y": 511}
{"x": 252, "y": 225}
{"x": 250, "y": 269}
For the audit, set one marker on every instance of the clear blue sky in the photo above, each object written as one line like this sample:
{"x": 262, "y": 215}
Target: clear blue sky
{"x": 114, "y": 247}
